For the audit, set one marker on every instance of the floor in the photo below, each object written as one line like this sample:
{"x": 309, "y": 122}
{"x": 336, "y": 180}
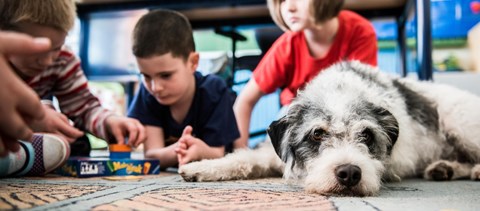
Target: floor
{"x": 168, "y": 191}
{"x": 418, "y": 194}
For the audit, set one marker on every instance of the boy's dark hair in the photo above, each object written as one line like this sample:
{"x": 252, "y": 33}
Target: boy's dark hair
{"x": 163, "y": 31}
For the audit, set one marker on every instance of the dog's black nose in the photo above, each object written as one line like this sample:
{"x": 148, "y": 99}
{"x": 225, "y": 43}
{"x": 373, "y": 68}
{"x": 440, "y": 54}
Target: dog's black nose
{"x": 348, "y": 175}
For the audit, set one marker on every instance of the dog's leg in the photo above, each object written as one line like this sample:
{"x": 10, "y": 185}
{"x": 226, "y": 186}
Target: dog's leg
{"x": 448, "y": 170}
{"x": 475, "y": 172}
{"x": 242, "y": 164}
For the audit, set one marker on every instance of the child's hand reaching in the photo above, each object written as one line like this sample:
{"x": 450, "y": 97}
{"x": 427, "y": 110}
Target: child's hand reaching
{"x": 120, "y": 127}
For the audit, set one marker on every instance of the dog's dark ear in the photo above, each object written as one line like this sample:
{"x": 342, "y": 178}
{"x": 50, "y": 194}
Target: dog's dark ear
{"x": 276, "y": 131}
{"x": 389, "y": 124}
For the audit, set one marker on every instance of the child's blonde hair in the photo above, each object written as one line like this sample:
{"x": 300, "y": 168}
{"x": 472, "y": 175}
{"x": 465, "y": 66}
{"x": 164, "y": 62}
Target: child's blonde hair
{"x": 320, "y": 10}
{"x": 59, "y": 14}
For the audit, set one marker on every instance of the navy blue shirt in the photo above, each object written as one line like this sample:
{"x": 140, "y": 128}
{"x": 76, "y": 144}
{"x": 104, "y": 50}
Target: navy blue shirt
{"x": 211, "y": 113}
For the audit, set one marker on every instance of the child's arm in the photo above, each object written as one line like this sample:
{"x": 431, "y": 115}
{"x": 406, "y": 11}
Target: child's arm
{"x": 194, "y": 149}
{"x": 154, "y": 147}
{"x": 76, "y": 100}
{"x": 243, "y": 111}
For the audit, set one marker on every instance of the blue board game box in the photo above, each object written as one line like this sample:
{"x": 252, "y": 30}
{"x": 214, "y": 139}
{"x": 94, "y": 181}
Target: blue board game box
{"x": 105, "y": 166}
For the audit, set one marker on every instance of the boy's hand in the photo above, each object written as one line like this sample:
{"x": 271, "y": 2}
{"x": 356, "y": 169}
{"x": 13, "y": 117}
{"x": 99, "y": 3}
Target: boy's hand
{"x": 190, "y": 148}
{"x": 182, "y": 147}
{"x": 56, "y": 123}
{"x": 20, "y": 104}
{"x": 120, "y": 127}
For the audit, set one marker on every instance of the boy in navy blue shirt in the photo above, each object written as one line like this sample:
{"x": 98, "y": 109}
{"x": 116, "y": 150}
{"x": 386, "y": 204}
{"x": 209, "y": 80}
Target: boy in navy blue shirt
{"x": 187, "y": 116}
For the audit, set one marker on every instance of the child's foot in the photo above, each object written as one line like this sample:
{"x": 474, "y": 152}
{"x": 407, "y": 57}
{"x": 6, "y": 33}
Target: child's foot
{"x": 42, "y": 155}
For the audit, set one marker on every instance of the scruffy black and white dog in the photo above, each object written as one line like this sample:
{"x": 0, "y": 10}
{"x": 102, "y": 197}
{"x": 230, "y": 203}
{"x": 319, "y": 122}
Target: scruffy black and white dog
{"x": 353, "y": 127}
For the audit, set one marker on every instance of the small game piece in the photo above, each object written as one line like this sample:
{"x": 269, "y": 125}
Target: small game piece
{"x": 119, "y": 150}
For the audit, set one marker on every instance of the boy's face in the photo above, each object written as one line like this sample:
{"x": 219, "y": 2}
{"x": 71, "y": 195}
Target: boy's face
{"x": 33, "y": 64}
{"x": 168, "y": 78}
{"x": 296, "y": 14}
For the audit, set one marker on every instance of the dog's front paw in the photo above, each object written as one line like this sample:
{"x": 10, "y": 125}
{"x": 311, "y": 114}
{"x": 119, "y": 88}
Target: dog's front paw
{"x": 187, "y": 174}
{"x": 199, "y": 171}
{"x": 475, "y": 172}
{"x": 439, "y": 171}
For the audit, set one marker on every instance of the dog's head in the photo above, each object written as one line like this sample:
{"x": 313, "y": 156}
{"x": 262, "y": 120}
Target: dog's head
{"x": 335, "y": 136}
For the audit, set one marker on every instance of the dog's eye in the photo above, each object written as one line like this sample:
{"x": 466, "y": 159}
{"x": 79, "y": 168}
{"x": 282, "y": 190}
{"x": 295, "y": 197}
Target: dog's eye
{"x": 317, "y": 134}
{"x": 366, "y": 136}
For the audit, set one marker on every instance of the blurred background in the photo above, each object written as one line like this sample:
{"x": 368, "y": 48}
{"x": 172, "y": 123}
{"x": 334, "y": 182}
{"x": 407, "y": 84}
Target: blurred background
{"x": 102, "y": 38}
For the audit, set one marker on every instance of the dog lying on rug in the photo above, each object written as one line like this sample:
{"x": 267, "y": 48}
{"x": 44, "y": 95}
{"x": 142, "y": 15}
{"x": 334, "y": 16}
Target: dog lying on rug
{"x": 353, "y": 127}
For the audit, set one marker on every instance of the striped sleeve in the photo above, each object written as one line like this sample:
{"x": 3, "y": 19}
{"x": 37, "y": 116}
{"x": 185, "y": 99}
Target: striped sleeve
{"x": 75, "y": 99}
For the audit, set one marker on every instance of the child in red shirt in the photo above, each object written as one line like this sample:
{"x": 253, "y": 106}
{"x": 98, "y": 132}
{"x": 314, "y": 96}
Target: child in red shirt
{"x": 317, "y": 35}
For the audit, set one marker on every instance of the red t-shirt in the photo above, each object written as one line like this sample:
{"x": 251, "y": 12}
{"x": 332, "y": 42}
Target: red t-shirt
{"x": 289, "y": 65}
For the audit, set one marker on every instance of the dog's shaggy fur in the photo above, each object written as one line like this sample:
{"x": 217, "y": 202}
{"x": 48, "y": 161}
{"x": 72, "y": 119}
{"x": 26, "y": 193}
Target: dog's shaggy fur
{"x": 353, "y": 127}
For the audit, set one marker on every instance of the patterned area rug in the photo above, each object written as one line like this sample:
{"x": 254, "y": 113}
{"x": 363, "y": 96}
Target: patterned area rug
{"x": 165, "y": 191}
{"x": 219, "y": 199}
{"x": 23, "y": 196}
